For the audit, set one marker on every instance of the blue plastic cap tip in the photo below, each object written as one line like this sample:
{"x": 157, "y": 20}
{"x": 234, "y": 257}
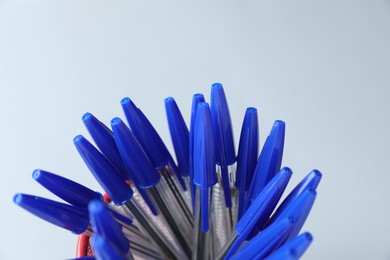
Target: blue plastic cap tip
{"x": 104, "y": 225}
{"x": 74, "y": 219}
{"x": 179, "y": 135}
{"x": 68, "y": 190}
{"x": 103, "y": 171}
{"x": 136, "y": 161}
{"x": 104, "y": 139}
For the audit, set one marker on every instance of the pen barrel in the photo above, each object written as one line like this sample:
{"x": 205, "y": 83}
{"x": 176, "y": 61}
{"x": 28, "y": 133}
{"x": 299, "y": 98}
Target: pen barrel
{"x": 151, "y": 229}
{"x": 170, "y": 212}
{"x": 202, "y": 240}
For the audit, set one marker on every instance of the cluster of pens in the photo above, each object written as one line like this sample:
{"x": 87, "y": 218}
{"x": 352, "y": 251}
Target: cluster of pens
{"x": 212, "y": 204}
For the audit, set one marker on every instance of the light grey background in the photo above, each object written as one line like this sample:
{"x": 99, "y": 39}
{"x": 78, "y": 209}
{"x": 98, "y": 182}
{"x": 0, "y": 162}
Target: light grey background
{"x": 322, "y": 66}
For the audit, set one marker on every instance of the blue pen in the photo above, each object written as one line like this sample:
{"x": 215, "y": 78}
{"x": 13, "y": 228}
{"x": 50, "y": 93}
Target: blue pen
{"x": 299, "y": 208}
{"x": 75, "y": 194}
{"x": 121, "y": 194}
{"x": 310, "y": 181}
{"x": 72, "y": 218}
{"x": 196, "y": 99}
{"x": 104, "y": 139}
{"x": 155, "y": 148}
{"x": 269, "y": 162}
{"x": 105, "y": 250}
{"x": 265, "y": 242}
{"x": 224, "y": 147}
{"x": 204, "y": 180}
{"x": 104, "y": 225}
{"x": 248, "y": 150}
{"x": 257, "y": 214}
{"x": 145, "y": 175}
{"x": 293, "y": 249}
{"x": 180, "y": 138}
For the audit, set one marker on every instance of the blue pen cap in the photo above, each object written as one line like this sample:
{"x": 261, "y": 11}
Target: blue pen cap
{"x": 270, "y": 160}
{"x": 204, "y": 151}
{"x": 179, "y": 135}
{"x": 310, "y": 181}
{"x": 196, "y": 99}
{"x": 293, "y": 249}
{"x": 146, "y": 134}
{"x": 267, "y": 241}
{"x": 72, "y": 218}
{"x": 264, "y": 204}
{"x": 138, "y": 164}
{"x": 248, "y": 148}
{"x": 70, "y": 191}
{"x": 104, "y": 139}
{"x": 223, "y": 132}
{"x": 204, "y": 160}
{"x": 105, "y": 250}
{"x": 103, "y": 171}
{"x": 104, "y": 225}
{"x": 279, "y": 182}
{"x": 298, "y": 209}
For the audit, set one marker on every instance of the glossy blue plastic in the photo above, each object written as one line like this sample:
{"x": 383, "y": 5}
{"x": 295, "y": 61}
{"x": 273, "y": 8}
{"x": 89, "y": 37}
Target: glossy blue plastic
{"x": 258, "y": 213}
{"x": 196, "y": 99}
{"x": 105, "y": 250}
{"x": 293, "y": 249}
{"x": 149, "y": 139}
{"x": 72, "y": 218}
{"x": 204, "y": 159}
{"x": 104, "y": 139}
{"x": 68, "y": 190}
{"x": 179, "y": 135}
{"x": 299, "y": 209}
{"x": 103, "y": 171}
{"x": 267, "y": 241}
{"x": 269, "y": 162}
{"x": 136, "y": 161}
{"x": 310, "y": 181}
{"x": 223, "y": 135}
{"x": 248, "y": 150}
{"x": 104, "y": 225}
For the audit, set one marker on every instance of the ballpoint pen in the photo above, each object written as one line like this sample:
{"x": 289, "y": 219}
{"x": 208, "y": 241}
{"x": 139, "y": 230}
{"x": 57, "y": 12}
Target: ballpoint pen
{"x": 311, "y": 181}
{"x": 72, "y": 218}
{"x": 105, "y": 250}
{"x": 265, "y": 242}
{"x": 225, "y": 157}
{"x": 158, "y": 189}
{"x": 269, "y": 161}
{"x": 204, "y": 180}
{"x": 105, "y": 227}
{"x": 277, "y": 233}
{"x": 299, "y": 208}
{"x": 180, "y": 139}
{"x": 257, "y": 214}
{"x": 293, "y": 249}
{"x": 248, "y": 150}
{"x": 121, "y": 194}
{"x": 104, "y": 139}
{"x": 196, "y": 99}
{"x": 155, "y": 149}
